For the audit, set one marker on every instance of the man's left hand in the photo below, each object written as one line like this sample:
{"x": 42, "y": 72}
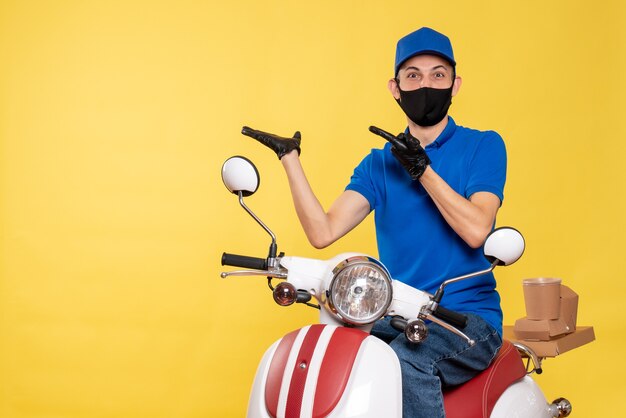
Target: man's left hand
{"x": 407, "y": 149}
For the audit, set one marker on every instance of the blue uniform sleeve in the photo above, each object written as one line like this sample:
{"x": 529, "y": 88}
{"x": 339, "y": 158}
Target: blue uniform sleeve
{"x": 487, "y": 171}
{"x": 361, "y": 181}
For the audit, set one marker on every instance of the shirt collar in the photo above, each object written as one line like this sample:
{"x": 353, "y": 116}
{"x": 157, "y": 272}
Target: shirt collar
{"x": 446, "y": 134}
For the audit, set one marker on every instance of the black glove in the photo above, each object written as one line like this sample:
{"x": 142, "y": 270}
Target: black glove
{"x": 281, "y": 146}
{"x": 407, "y": 149}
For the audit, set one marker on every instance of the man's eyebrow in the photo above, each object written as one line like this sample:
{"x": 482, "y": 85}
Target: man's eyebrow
{"x": 436, "y": 67}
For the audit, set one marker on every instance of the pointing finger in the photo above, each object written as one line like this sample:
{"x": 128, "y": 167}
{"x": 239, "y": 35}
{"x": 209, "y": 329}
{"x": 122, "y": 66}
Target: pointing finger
{"x": 387, "y": 136}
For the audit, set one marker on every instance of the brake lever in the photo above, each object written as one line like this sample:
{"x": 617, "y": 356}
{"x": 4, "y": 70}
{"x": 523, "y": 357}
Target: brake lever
{"x": 265, "y": 273}
{"x": 429, "y": 316}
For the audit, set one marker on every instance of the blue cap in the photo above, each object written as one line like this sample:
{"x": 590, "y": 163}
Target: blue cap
{"x": 423, "y": 41}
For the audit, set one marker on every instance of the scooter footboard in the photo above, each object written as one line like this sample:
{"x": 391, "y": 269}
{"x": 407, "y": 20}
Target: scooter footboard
{"x": 327, "y": 371}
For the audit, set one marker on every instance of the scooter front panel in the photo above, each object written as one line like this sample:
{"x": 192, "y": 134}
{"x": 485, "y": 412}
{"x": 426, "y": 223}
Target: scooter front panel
{"x": 308, "y": 360}
{"x": 336, "y": 368}
{"x": 374, "y": 389}
{"x": 274, "y": 379}
{"x": 315, "y": 371}
{"x": 256, "y": 404}
{"x": 327, "y": 371}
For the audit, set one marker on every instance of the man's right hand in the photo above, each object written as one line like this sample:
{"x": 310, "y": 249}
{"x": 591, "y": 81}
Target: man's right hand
{"x": 281, "y": 146}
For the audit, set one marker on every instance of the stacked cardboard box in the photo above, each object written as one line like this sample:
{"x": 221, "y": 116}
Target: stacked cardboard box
{"x": 551, "y": 337}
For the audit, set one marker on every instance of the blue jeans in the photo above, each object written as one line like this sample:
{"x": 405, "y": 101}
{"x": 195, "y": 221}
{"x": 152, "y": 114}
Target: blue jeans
{"x": 443, "y": 360}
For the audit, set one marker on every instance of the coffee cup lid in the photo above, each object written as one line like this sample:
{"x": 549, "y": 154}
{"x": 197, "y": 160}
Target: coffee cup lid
{"x": 541, "y": 281}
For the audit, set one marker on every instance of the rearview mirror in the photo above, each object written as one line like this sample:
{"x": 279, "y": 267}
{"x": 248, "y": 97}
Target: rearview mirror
{"x": 504, "y": 244}
{"x": 240, "y": 175}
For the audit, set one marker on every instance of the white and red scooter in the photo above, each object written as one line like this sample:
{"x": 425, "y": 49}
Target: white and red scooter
{"x": 336, "y": 369}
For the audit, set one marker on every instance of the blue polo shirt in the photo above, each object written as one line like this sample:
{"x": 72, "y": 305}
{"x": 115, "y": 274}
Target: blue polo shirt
{"x": 414, "y": 241}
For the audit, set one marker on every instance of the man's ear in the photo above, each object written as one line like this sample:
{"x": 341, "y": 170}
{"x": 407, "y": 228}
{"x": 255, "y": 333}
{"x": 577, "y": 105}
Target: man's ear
{"x": 392, "y": 85}
{"x": 457, "y": 85}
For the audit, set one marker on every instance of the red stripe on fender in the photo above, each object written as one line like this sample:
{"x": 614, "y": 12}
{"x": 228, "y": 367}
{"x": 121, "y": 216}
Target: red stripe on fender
{"x": 276, "y": 371}
{"x": 300, "y": 371}
{"x": 336, "y": 369}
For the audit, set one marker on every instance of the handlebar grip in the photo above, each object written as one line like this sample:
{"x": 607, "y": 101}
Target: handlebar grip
{"x": 455, "y": 319}
{"x": 244, "y": 261}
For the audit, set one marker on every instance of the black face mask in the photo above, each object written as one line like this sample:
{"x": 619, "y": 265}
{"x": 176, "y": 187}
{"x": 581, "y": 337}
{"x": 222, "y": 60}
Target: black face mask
{"x": 426, "y": 106}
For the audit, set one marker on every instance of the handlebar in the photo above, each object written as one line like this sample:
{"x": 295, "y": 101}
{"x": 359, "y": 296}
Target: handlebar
{"x": 244, "y": 261}
{"x": 455, "y": 319}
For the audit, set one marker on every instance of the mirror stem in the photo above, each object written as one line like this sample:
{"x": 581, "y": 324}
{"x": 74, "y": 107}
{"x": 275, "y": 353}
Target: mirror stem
{"x": 273, "y": 246}
{"x": 439, "y": 294}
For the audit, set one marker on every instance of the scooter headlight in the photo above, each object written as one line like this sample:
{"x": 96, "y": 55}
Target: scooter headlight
{"x": 360, "y": 291}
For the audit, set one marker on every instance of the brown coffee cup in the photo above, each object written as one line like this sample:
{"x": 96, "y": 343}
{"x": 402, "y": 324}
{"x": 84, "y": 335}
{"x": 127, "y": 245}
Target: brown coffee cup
{"x": 542, "y": 297}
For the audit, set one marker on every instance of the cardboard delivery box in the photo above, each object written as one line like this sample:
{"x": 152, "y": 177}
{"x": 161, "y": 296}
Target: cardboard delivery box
{"x": 556, "y": 346}
{"x": 547, "y": 329}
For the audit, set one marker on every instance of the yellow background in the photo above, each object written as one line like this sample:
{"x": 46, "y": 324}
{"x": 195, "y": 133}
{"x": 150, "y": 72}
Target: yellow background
{"x": 115, "y": 118}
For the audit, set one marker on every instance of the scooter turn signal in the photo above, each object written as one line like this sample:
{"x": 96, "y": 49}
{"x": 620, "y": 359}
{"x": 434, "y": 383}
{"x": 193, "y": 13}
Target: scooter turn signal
{"x": 416, "y": 331}
{"x": 285, "y": 294}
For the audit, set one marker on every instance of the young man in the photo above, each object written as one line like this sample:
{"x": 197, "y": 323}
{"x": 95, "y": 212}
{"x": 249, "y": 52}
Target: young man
{"x": 435, "y": 190}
